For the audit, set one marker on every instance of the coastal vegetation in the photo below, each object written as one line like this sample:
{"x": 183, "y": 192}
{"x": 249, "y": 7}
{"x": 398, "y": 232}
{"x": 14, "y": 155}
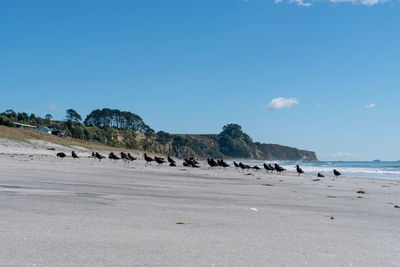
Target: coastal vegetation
{"x": 125, "y": 129}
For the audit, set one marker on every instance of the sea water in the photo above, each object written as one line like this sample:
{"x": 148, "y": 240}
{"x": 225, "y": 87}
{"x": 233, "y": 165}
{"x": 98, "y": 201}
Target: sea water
{"x": 363, "y": 169}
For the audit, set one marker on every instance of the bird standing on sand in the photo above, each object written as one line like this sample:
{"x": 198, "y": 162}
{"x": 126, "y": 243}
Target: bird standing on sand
{"x": 159, "y": 160}
{"x": 242, "y": 166}
{"x": 194, "y": 160}
{"x": 279, "y": 168}
{"x": 299, "y": 170}
{"x": 170, "y": 160}
{"x": 222, "y": 163}
{"x": 236, "y": 165}
{"x": 256, "y": 168}
{"x": 148, "y": 159}
{"x": 191, "y": 162}
{"x": 61, "y": 155}
{"x": 268, "y": 167}
{"x": 212, "y": 163}
{"x": 320, "y": 175}
{"x": 272, "y": 168}
{"x": 124, "y": 156}
{"x": 99, "y": 156}
{"x": 74, "y": 155}
{"x": 113, "y": 156}
{"x": 336, "y": 173}
{"x": 131, "y": 157}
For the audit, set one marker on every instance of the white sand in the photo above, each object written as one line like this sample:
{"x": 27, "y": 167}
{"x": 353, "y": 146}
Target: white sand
{"x": 65, "y": 212}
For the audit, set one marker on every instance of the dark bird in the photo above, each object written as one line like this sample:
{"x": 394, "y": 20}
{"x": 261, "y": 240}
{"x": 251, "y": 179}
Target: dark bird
{"x": 272, "y": 168}
{"x": 320, "y": 175}
{"x": 299, "y": 170}
{"x": 236, "y": 165}
{"x": 113, "y": 156}
{"x": 191, "y": 162}
{"x": 222, "y": 163}
{"x": 131, "y": 157}
{"x": 242, "y": 166}
{"x": 61, "y": 155}
{"x": 256, "y": 168}
{"x": 267, "y": 167}
{"x": 124, "y": 156}
{"x": 194, "y": 160}
{"x": 74, "y": 155}
{"x": 218, "y": 162}
{"x": 279, "y": 168}
{"x": 99, "y": 156}
{"x": 336, "y": 173}
{"x": 171, "y": 160}
{"x": 148, "y": 159}
{"x": 172, "y": 164}
{"x": 186, "y": 164}
{"x": 159, "y": 160}
{"x": 248, "y": 166}
{"x": 212, "y": 163}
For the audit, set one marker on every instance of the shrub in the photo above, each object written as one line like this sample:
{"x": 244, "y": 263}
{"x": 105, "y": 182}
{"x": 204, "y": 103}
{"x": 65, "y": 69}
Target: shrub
{"x": 4, "y": 120}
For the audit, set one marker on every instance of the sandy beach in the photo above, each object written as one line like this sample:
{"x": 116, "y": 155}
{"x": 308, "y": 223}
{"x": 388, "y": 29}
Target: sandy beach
{"x": 66, "y": 212}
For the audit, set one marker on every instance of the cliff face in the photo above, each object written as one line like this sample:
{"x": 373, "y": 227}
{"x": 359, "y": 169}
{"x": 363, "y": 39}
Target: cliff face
{"x": 230, "y": 143}
{"x": 278, "y": 152}
{"x": 205, "y": 146}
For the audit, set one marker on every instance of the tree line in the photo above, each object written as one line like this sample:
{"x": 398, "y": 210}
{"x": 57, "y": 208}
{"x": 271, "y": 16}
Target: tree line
{"x": 117, "y": 119}
{"x": 102, "y": 118}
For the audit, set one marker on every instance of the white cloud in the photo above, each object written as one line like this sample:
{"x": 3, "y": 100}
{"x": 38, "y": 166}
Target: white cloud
{"x": 281, "y": 102}
{"x": 307, "y": 3}
{"x": 360, "y": 2}
{"x": 371, "y": 2}
{"x": 344, "y": 154}
{"x": 301, "y": 3}
{"x": 52, "y": 107}
{"x": 343, "y": 1}
{"x": 372, "y": 105}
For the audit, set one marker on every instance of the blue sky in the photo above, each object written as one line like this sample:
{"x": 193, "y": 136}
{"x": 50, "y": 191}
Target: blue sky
{"x": 194, "y": 66}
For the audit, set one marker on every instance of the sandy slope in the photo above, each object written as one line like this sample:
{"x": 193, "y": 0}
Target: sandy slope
{"x": 83, "y": 212}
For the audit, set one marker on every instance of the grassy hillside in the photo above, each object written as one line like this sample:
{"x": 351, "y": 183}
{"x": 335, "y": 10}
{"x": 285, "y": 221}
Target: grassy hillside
{"x": 23, "y": 135}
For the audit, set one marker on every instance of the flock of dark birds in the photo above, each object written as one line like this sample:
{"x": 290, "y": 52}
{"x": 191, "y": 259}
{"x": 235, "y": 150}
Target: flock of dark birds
{"x": 192, "y": 162}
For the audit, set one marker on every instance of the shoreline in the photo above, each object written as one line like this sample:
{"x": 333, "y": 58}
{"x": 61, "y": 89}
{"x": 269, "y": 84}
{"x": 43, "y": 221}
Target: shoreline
{"x": 40, "y": 147}
{"x": 64, "y": 212}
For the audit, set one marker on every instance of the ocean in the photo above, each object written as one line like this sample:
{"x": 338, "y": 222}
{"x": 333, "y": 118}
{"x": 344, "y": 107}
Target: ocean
{"x": 362, "y": 169}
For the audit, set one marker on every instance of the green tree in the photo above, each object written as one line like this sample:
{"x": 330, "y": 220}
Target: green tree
{"x": 117, "y": 119}
{"x": 23, "y": 116}
{"x": 233, "y": 130}
{"x": 48, "y": 117}
{"x": 163, "y": 137}
{"x": 4, "y": 120}
{"x": 11, "y": 114}
{"x": 73, "y": 116}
